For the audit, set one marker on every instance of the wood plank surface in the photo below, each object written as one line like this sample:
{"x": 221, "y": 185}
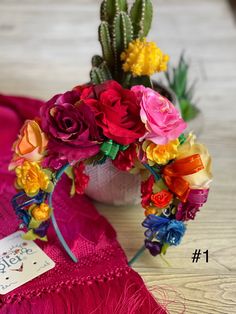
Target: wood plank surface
{"x": 46, "y": 48}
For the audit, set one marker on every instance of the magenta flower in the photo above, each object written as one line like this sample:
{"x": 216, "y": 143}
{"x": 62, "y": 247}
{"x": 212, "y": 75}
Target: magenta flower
{"x": 71, "y": 127}
{"x": 162, "y": 120}
{"x": 196, "y": 199}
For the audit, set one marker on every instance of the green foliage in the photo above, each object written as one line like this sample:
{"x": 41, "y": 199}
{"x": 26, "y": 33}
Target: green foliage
{"x": 177, "y": 78}
{"x": 141, "y": 15}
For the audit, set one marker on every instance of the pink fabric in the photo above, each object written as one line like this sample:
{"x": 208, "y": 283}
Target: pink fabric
{"x": 101, "y": 282}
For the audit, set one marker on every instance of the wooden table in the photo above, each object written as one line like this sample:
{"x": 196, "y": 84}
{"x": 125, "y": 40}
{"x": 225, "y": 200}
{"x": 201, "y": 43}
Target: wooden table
{"x": 46, "y": 47}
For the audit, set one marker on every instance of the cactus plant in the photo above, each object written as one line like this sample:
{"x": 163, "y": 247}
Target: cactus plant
{"x": 109, "y": 9}
{"x": 117, "y": 30}
{"x": 141, "y": 15}
{"x": 122, "y": 35}
{"x": 106, "y": 43}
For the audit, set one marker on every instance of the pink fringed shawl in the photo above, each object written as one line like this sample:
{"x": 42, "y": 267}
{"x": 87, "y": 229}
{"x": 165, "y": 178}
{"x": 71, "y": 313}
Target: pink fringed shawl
{"x": 102, "y": 281}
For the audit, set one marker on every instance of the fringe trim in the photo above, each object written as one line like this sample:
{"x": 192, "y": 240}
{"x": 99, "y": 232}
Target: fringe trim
{"x": 123, "y": 293}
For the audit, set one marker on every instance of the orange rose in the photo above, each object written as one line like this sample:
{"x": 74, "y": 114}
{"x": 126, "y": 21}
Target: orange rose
{"x": 162, "y": 199}
{"x": 30, "y": 145}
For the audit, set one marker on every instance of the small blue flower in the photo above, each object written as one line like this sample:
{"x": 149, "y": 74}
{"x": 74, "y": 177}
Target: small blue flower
{"x": 172, "y": 232}
{"x": 154, "y": 223}
{"x": 166, "y": 230}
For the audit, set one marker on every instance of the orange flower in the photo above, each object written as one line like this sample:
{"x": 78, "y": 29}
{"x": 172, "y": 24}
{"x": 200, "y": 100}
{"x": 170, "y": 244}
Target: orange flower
{"x": 162, "y": 199}
{"x": 30, "y": 145}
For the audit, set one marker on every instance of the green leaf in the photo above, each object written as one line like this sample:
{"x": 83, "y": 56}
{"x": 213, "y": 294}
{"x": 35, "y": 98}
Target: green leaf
{"x": 34, "y": 224}
{"x": 164, "y": 248}
{"x": 70, "y": 173}
{"x": 30, "y": 235}
{"x": 188, "y": 110}
{"x": 177, "y": 78}
{"x": 50, "y": 187}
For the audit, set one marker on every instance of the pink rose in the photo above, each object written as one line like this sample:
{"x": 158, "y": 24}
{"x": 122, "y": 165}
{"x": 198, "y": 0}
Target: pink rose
{"x": 162, "y": 120}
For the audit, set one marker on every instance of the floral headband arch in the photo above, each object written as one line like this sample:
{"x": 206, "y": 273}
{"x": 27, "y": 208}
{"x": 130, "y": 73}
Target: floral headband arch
{"x": 141, "y": 131}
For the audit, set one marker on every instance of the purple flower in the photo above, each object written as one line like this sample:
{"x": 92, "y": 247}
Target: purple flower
{"x": 71, "y": 127}
{"x": 41, "y": 231}
{"x": 154, "y": 247}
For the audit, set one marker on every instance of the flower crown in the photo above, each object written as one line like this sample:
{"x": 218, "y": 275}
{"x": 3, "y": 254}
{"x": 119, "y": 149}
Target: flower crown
{"x": 118, "y": 116}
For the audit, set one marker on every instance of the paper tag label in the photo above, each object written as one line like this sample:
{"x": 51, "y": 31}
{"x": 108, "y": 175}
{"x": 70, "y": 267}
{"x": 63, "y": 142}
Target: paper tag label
{"x": 20, "y": 262}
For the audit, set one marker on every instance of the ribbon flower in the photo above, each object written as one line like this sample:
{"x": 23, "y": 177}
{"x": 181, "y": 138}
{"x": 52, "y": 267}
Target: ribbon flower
{"x": 174, "y": 172}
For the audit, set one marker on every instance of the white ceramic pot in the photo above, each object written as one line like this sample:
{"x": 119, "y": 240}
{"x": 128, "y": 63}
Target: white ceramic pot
{"x": 111, "y": 186}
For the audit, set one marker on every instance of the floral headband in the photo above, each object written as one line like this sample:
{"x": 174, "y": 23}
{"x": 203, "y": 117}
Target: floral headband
{"x": 139, "y": 130}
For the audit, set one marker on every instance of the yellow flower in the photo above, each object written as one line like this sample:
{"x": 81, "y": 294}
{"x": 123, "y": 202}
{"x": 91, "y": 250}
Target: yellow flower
{"x": 201, "y": 179}
{"x": 144, "y": 58}
{"x": 31, "y": 178}
{"x": 161, "y": 154}
{"x": 41, "y": 212}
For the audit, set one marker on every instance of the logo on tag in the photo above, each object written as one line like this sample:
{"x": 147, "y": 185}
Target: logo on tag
{"x": 20, "y": 262}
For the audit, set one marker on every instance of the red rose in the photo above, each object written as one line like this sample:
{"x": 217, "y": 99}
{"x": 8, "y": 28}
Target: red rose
{"x": 162, "y": 199}
{"x": 125, "y": 159}
{"x": 146, "y": 190}
{"x": 117, "y": 112}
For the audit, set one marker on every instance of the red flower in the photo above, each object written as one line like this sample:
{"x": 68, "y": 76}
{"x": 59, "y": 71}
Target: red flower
{"x": 162, "y": 199}
{"x": 146, "y": 190}
{"x": 125, "y": 159}
{"x": 117, "y": 112}
{"x": 81, "y": 179}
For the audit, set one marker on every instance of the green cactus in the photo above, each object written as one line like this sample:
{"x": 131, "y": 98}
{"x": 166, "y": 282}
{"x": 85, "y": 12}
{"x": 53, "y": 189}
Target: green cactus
{"x": 105, "y": 40}
{"x": 100, "y": 72}
{"x": 141, "y": 15}
{"x": 96, "y": 76}
{"x": 122, "y": 35}
{"x": 96, "y": 61}
{"x": 106, "y": 71}
{"x": 109, "y": 8}
{"x": 116, "y": 31}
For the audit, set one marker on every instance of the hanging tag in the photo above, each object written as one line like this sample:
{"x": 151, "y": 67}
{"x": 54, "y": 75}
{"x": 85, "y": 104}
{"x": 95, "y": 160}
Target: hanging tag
{"x": 20, "y": 262}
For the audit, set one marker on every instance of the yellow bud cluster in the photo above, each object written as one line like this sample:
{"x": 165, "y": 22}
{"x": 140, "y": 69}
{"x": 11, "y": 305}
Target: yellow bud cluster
{"x": 144, "y": 58}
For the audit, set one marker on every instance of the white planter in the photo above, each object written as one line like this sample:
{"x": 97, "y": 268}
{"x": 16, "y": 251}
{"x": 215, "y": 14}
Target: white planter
{"x": 111, "y": 186}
